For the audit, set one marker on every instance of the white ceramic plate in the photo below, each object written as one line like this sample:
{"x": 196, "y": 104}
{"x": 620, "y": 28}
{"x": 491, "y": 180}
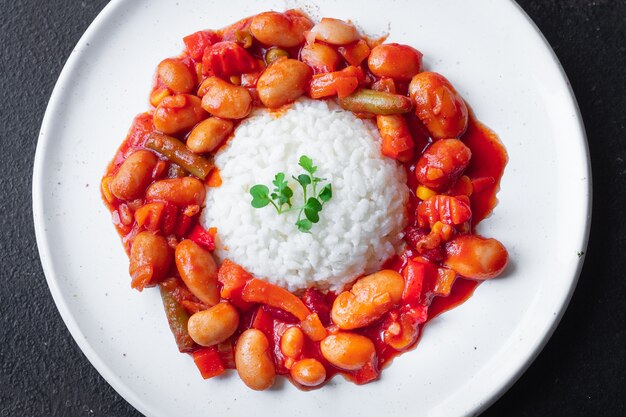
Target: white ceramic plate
{"x": 502, "y": 66}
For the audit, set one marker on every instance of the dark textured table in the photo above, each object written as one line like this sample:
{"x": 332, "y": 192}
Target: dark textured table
{"x": 581, "y": 371}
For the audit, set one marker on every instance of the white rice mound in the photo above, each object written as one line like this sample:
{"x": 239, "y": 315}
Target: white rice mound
{"x": 359, "y": 228}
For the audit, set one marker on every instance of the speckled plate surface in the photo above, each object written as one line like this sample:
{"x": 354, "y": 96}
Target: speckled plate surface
{"x": 501, "y": 65}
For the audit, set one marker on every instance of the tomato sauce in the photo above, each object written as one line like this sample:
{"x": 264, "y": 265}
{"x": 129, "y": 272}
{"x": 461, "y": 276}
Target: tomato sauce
{"x": 486, "y": 167}
{"x": 484, "y": 172}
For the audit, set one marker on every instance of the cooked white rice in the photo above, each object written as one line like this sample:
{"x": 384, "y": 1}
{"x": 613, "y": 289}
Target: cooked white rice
{"x": 359, "y": 228}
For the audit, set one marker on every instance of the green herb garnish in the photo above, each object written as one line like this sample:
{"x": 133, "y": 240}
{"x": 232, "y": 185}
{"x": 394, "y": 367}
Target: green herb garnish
{"x": 280, "y": 197}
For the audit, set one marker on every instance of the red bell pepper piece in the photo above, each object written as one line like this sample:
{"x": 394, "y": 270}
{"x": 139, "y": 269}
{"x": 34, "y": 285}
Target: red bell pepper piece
{"x": 170, "y": 218}
{"x": 209, "y": 362}
{"x": 355, "y": 53}
{"x": 419, "y": 281}
{"x": 418, "y": 314}
{"x": 445, "y": 280}
{"x": 233, "y": 278}
{"x": 397, "y": 142}
{"x": 369, "y": 372}
{"x": 317, "y": 303}
{"x": 183, "y": 224}
{"x": 197, "y": 42}
{"x": 263, "y": 321}
{"x": 138, "y": 133}
{"x": 149, "y": 216}
{"x": 341, "y": 83}
{"x": 400, "y": 148}
{"x": 346, "y": 86}
{"x": 204, "y": 238}
{"x": 482, "y": 183}
{"x": 227, "y": 58}
{"x": 279, "y": 314}
{"x": 259, "y": 291}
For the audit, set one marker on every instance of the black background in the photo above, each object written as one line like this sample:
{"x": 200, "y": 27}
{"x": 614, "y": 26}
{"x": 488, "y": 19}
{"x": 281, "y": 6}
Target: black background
{"x": 579, "y": 373}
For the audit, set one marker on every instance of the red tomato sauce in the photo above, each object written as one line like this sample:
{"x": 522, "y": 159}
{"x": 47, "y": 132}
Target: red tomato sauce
{"x": 489, "y": 157}
{"x": 485, "y": 169}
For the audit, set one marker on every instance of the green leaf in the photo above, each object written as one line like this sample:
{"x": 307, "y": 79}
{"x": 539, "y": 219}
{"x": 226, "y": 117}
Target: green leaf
{"x": 260, "y": 197}
{"x": 280, "y": 183}
{"x": 312, "y": 215}
{"x": 287, "y": 192}
{"x": 303, "y": 180}
{"x": 282, "y": 195}
{"x": 313, "y": 204}
{"x": 326, "y": 193}
{"x": 312, "y": 209}
{"x": 307, "y": 163}
{"x": 304, "y": 225}
{"x": 259, "y": 203}
{"x": 279, "y": 179}
{"x": 285, "y": 196}
{"x": 259, "y": 190}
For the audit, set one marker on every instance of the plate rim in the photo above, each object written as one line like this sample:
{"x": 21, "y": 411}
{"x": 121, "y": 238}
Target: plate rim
{"x": 115, "y": 381}
{"x": 543, "y": 341}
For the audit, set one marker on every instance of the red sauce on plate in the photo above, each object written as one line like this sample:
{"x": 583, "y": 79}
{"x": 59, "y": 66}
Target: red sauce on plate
{"x": 478, "y": 187}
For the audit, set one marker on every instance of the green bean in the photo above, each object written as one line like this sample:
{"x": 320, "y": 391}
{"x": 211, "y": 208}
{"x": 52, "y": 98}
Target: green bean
{"x": 376, "y": 102}
{"x": 177, "y": 317}
{"x": 175, "y": 171}
{"x": 177, "y": 152}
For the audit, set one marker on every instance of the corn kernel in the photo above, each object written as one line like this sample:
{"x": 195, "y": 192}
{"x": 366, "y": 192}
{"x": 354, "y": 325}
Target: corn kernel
{"x": 424, "y": 193}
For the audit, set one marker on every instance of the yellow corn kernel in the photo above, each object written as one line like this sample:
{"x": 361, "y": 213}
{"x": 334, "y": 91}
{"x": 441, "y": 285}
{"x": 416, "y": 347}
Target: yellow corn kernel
{"x": 158, "y": 95}
{"x": 424, "y": 193}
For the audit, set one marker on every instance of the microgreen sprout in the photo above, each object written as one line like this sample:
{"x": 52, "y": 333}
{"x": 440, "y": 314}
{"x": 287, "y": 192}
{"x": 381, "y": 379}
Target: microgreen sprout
{"x": 281, "y": 195}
